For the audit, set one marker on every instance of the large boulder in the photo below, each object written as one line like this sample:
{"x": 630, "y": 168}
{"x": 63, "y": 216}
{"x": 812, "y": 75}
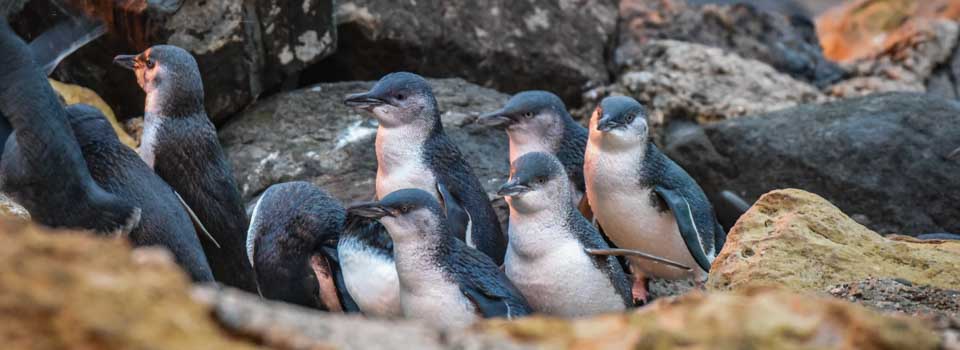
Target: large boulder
{"x": 66, "y": 290}
{"x": 311, "y": 135}
{"x": 788, "y": 43}
{"x": 798, "y": 240}
{"x": 508, "y": 45}
{"x": 883, "y": 159}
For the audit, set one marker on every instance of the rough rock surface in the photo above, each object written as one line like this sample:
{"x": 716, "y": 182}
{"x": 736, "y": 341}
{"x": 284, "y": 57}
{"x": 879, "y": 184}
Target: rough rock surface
{"x": 788, "y": 43}
{"x": 311, "y": 135}
{"x": 71, "y": 290}
{"x": 508, "y": 45}
{"x": 882, "y": 158}
{"x": 680, "y": 80}
{"x": 11, "y": 210}
{"x": 73, "y": 94}
{"x": 295, "y": 35}
{"x": 799, "y": 240}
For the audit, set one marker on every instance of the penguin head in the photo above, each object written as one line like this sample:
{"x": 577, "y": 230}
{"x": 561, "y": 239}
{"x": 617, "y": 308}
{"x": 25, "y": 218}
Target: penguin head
{"x": 530, "y": 114}
{"x": 170, "y": 77}
{"x": 619, "y": 121}
{"x": 292, "y": 242}
{"x": 398, "y": 99}
{"x": 537, "y": 182}
{"x": 89, "y": 124}
{"x": 408, "y": 214}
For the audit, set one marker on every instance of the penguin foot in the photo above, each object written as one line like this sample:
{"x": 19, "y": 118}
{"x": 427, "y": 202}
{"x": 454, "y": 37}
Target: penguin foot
{"x": 641, "y": 296}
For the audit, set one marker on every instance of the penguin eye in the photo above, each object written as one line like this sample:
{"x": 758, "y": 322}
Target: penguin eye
{"x": 404, "y": 209}
{"x": 528, "y": 115}
{"x": 630, "y": 118}
{"x": 151, "y": 63}
{"x": 400, "y": 97}
{"x": 541, "y": 180}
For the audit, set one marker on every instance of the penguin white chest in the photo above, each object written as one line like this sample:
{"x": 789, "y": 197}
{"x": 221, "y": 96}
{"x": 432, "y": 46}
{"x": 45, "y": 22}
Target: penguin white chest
{"x": 149, "y": 139}
{"x": 561, "y": 280}
{"x": 428, "y": 294}
{"x": 370, "y": 278}
{"x": 629, "y": 216}
{"x": 401, "y": 164}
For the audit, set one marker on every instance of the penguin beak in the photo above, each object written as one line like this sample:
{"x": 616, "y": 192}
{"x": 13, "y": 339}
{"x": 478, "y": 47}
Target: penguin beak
{"x": 512, "y": 188}
{"x": 126, "y": 61}
{"x": 371, "y": 210}
{"x": 495, "y": 119}
{"x": 608, "y": 123}
{"x": 365, "y": 100}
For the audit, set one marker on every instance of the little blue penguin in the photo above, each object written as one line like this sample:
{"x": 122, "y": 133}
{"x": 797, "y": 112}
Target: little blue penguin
{"x": 180, "y": 143}
{"x": 414, "y": 152}
{"x": 643, "y": 200}
{"x": 442, "y": 280}
{"x": 119, "y": 170}
{"x": 538, "y": 121}
{"x": 546, "y": 254}
{"x": 292, "y": 246}
{"x": 42, "y": 167}
{"x": 369, "y": 271}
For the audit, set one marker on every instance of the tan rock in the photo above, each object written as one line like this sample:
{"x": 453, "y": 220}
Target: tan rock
{"x": 75, "y": 291}
{"x": 756, "y": 318}
{"x": 73, "y": 94}
{"x": 799, "y": 240}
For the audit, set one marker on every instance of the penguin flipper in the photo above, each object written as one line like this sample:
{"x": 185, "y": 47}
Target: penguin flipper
{"x": 201, "y": 230}
{"x": 488, "y": 288}
{"x": 686, "y": 224}
{"x": 458, "y": 219}
{"x": 68, "y": 36}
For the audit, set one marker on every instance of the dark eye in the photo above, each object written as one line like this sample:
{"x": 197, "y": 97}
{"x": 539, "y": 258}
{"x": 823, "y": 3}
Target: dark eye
{"x": 630, "y": 118}
{"x": 541, "y": 180}
{"x": 528, "y": 115}
{"x": 150, "y": 63}
{"x": 400, "y": 97}
{"x": 404, "y": 209}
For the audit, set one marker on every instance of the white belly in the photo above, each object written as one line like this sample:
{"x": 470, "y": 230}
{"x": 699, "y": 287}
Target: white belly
{"x": 630, "y": 220}
{"x": 412, "y": 174}
{"x": 370, "y": 278}
{"x": 442, "y": 305}
{"x": 562, "y": 282}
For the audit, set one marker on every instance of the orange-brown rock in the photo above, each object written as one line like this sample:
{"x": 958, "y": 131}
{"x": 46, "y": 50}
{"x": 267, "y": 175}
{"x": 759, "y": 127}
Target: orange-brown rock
{"x": 800, "y": 241}
{"x": 73, "y": 94}
{"x": 69, "y": 290}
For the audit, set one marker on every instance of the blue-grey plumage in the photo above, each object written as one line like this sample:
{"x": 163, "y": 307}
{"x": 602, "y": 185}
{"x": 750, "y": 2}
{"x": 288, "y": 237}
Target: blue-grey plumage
{"x": 538, "y": 121}
{"x": 546, "y": 256}
{"x": 642, "y": 199}
{"x": 939, "y": 236}
{"x": 414, "y": 152}
{"x": 42, "y": 166}
{"x": 180, "y": 143}
{"x": 442, "y": 280}
{"x": 292, "y": 246}
{"x": 119, "y": 170}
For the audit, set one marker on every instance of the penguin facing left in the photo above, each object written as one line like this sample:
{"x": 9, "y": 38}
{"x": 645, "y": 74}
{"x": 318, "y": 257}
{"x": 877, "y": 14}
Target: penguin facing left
{"x": 442, "y": 280}
{"x": 119, "y": 170}
{"x": 547, "y": 255}
{"x": 292, "y": 246}
{"x": 42, "y": 167}
{"x": 180, "y": 143}
{"x": 643, "y": 200}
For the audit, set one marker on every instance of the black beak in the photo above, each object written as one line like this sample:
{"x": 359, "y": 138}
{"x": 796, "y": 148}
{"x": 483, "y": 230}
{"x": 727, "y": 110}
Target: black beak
{"x": 512, "y": 188}
{"x": 364, "y": 100}
{"x": 126, "y": 61}
{"x": 371, "y": 210}
{"x": 496, "y": 119}
{"x": 607, "y": 123}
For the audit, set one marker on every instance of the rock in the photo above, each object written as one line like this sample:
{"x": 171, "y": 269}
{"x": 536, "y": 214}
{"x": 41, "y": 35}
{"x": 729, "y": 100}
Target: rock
{"x": 73, "y": 290}
{"x": 508, "y": 45}
{"x": 883, "y": 158}
{"x": 311, "y": 135}
{"x": 788, "y": 43}
{"x": 680, "y": 80}
{"x": 798, "y": 240}
{"x": 901, "y": 296}
{"x": 751, "y": 319}
{"x": 73, "y": 94}
{"x": 11, "y": 210}
{"x": 295, "y": 34}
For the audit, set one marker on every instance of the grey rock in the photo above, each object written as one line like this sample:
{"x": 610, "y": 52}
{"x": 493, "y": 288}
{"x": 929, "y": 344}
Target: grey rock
{"x": 788, "y": 43}
{"x": 508, "y": 45}
{"x": 310, "y": 135}
{"x": 295, "y": 35}
{"x": 882, "y": 157}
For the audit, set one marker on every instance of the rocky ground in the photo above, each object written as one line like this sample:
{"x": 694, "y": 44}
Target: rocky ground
{"x": 749, "y": 100}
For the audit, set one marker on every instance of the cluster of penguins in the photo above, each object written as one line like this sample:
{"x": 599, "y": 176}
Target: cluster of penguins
{"x": 594, "y": 212}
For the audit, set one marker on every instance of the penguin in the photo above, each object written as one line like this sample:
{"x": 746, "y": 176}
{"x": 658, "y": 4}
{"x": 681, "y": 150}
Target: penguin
{"x": 546, "y": 252}
{"x": 443, "y": 281}
{"x": 180, "y": 144}
{"x": 414, "y": 152}
{"x": 365, "y": 251}
{"x": 538, "y": 121}
{"x": 119, "y": 170}
{"x": 292, "y": 246}
{"x": 643, "y": 200}
{"x": 42, "y": 167}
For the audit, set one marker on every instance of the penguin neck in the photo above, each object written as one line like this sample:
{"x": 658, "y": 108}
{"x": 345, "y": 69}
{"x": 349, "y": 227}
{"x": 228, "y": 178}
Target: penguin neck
{"x": 419, "y": 262}
{"x": 175, "y": 103}
{"x": 536, "y": 234}
{"x": 401, "y": 160}
{"x": 524, "y": 141}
